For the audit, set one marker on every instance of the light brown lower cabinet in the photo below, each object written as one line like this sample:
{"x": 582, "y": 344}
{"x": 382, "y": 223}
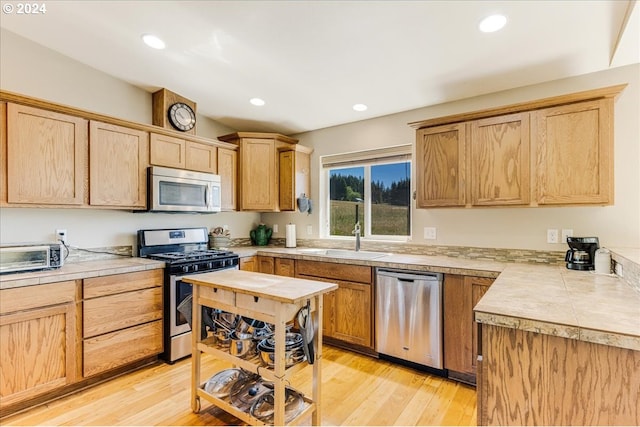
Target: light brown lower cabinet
{"x": 461, "y": 294}
{"x": 285, "y": 267}
{"x": 348, "y": 311}
{"x": 249, "y": 263}
{"x": 529, "y": 378}
{"x": 37, "y": 340}
{"x": 122, "y": 320}
{"x": 266, "y": 264}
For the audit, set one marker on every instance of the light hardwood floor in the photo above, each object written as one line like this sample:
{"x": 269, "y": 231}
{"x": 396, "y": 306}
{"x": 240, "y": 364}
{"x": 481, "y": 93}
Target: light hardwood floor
{"x": 356, "y": 390}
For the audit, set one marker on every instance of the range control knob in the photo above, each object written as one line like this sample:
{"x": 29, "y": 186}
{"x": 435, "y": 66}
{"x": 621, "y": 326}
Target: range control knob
{"x": 185, "y": 268}
{"x": 195, "y": 267}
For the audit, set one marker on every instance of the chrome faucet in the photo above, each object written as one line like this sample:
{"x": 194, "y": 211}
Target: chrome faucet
{"x": 356, "y": 231}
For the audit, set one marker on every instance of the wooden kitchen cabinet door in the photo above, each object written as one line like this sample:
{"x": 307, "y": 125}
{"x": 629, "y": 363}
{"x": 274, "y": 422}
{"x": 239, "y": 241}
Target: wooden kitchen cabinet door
{"x": 573, "y": 153}
{"x": 266, "y": 264}
{"x": 118, "y": 160}
{"x": 201, "y": 157}
{"x": 37, "y": 341}
{"x": 285, "y": 267}
{"x": 228, "y": 171}
{"x": 499, "y": 160}
{"x": 440, "y": 166}
{"x": 294, "y": 168}
{"x": 249, "y": 263}
{"x": 46, "y": 157}
{"x": 258, "y": 175}
{"x": 352, "y": 313}
{"x": 167, "y": 151}
{"x": 461, "y": 294}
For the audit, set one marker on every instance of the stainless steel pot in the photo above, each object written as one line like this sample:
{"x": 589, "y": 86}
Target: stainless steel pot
{"x": 241, "y": 347}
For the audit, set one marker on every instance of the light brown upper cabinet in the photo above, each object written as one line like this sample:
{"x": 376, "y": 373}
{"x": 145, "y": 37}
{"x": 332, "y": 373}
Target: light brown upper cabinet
{"x": 181, "y": 153}
{"x": 46, "y": 157}
{"x": 440, "y": 166}
{"x": 552, "y": 151}
{"x": 117, "y": 166}
{"x": 258, "y": 182}
{"x": 573, "y": 153}
{"x": 228, "y": 171}
{"x": 499, "y": 160}
{"x": 295, "y": 179}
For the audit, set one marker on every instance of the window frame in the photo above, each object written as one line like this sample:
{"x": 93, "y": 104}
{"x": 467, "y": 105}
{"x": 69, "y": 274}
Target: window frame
{"x": 365, "y": 159}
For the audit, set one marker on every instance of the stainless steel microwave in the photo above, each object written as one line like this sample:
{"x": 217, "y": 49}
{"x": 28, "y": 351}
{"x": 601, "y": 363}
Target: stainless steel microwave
{"x": 177, "y": 190}
{"x": 29, "y": 257}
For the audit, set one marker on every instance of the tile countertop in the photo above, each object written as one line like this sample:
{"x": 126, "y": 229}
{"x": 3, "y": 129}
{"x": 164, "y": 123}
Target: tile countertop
{"x": 539, "y": 298}
{"x": 79, "y": 270}
{"x": 581, "y": 305}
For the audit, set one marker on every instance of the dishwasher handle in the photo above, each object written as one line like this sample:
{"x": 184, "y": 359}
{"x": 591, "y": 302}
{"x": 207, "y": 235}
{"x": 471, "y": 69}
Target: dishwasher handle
{"x": 410, "y": 276}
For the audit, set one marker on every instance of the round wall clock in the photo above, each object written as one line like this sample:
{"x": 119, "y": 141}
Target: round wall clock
{"x": 182, "y": 117}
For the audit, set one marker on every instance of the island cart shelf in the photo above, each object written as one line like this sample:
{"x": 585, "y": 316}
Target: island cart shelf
{"x": 268, "y": 298}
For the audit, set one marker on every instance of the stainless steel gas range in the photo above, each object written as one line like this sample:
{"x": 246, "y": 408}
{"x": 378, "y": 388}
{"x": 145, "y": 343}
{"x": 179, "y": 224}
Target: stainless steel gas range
{"x": 185, "y": 252}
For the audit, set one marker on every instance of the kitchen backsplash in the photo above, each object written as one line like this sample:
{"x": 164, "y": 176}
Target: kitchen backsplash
{"x": 489, "y": 254}
{"x": 111, "y": 252}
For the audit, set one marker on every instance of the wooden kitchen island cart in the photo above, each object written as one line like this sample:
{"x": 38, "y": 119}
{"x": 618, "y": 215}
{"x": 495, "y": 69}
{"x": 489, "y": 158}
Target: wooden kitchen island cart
{"x": 268, "y": 298}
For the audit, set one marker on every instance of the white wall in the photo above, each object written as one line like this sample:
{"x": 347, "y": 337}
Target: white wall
{"x": 30, "y": 69}
{"x": 525, "y": 228}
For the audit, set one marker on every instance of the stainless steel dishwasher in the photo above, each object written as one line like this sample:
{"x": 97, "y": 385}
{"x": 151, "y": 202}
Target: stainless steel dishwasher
{"x": 408, "y": 316}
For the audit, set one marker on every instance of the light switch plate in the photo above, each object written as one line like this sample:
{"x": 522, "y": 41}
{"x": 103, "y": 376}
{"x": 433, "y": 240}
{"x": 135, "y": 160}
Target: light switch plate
{"x": 430, "y": 233}
{"x": 309, "y": 229}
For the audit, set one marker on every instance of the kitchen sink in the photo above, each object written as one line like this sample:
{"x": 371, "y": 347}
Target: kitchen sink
{"x": 343, "y": 253}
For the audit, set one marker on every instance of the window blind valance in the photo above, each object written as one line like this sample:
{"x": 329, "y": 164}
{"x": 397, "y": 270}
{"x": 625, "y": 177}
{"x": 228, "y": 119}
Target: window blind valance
{"x": 396, "y": 153}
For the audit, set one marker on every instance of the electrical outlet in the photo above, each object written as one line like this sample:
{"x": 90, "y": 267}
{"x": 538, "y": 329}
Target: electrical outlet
{"x": 309, "y": 229}
{"x": 61, "y": 235}
{"x": 566, "y": 232}
{"x": 430, "y": 233}
{"x": 275, "y": 228}
{"x": 552, "y": 235}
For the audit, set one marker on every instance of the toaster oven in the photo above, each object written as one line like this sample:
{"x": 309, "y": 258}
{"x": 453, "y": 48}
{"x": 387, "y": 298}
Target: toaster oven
{"x": 30, "y": 257}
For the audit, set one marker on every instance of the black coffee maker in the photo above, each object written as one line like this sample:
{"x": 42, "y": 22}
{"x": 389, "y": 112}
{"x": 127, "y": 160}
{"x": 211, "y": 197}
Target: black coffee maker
{"x": 582, "y": 252}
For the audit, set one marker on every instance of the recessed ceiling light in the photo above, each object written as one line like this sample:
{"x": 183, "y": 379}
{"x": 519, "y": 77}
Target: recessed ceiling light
{"x": 492, "y": 23}
{"x": 257, "y": 102}
{"x": 153, "y": 41}
{"x": 360, "y": 107}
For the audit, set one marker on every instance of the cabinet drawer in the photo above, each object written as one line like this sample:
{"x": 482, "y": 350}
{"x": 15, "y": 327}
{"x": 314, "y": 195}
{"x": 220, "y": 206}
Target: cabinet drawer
{"x": 118, "y": 283}
{"x": 260, "y": 305}
{"x": 329, "y": 270}
{"x": 28, "y": 297}
{"x": 110, "y": 313}
{"x": 221, "y": 295}
{"x": 119, "y": 348}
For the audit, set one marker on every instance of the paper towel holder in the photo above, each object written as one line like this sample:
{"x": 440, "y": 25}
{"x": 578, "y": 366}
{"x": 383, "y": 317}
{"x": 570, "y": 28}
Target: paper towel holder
{"x": 290, "y": 236}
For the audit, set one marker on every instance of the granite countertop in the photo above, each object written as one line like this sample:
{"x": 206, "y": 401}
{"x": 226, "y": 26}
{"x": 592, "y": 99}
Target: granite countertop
{"x": 79, "y": 270}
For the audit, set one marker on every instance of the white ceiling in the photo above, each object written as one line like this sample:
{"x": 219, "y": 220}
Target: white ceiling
{"x": 312, "y": 60}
